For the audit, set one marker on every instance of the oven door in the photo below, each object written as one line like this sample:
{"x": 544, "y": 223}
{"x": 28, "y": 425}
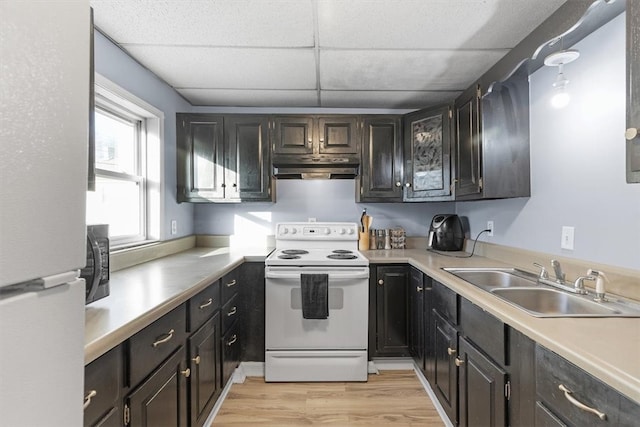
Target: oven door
{"x": 347, "y": 324}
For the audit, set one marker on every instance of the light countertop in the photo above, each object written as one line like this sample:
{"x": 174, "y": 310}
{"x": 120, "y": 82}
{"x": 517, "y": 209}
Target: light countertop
{"x": 608, "y": 348}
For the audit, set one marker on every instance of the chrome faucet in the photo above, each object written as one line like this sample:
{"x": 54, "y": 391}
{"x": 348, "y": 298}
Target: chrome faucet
{"x": 578, "y": 285}
{"x": 560, "y": 276}
{"x": 543, "y": 271}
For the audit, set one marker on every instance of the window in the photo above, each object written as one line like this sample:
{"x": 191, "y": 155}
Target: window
{"x": 127, "y": 156}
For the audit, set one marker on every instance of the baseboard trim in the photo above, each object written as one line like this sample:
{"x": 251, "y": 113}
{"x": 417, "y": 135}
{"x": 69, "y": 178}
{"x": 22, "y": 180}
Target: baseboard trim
{"x": 432, "y": 396}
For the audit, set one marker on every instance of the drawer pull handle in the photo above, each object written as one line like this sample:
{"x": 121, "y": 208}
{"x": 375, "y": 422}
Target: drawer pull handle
{"x": 233, "y": 311}
{"x": 206, "y": 304}
{"x": 196, "y": 360}
{"x": 233, "y": 339}
{"x": 418, "y": 288}
{"x": 165, "y": 339}
{"x": 575, "y": 402}
{"x": 88, "y": 397}
{"x": 459, "y": 362}
{"x": 186, "y": 373}
{"x": 451, "y": 351}
{"x": 231, "y": 283}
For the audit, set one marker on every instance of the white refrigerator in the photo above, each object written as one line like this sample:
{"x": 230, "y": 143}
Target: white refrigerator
{"x": 44, "y": 110}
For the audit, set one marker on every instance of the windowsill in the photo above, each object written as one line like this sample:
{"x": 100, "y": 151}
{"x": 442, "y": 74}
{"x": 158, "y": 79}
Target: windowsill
{"x": 131, "y": 246}
{"x": 126, "y": 256}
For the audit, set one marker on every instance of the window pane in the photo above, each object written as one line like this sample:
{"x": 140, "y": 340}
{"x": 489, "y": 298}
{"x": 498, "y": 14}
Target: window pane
{"x": 115, "y": 144}
{"x": 116, "y": 203}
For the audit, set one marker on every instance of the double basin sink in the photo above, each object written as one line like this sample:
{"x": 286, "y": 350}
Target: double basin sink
{"x": 523, "y": 290}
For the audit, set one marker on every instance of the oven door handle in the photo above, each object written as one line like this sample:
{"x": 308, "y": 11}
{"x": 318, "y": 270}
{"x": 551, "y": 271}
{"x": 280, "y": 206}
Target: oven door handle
{"x": 333, "y": 275}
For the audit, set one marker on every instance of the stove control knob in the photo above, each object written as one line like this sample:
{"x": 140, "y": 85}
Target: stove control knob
{"x": 351, "y": 231}
{"x": 327, "y": 231}
{"x": 284, "y": 230}
{"x": 294, "y": 231}
{"x": 343, "y": 231}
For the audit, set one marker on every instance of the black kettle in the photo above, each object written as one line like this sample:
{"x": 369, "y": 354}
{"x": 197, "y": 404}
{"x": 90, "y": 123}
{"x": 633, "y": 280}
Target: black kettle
{"x": 446, "y": 233}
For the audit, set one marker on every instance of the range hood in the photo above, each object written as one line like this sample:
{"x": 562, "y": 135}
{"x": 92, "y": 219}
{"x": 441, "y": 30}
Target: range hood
{"x": 315, "y": 167}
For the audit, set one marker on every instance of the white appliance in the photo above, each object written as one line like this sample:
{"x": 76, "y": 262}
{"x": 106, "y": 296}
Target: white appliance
{"x": 44, "y": 110}
{"x": 332, "y": 347}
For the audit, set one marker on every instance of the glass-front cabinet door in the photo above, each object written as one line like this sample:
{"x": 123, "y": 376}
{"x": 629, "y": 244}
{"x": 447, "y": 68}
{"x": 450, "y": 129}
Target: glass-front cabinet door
{"x": 427, "y": 154}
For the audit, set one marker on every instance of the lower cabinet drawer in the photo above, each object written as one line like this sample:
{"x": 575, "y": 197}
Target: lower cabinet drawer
{"x": 230, "y": 312}
{"x": 152, "y": 345}
{"x": 562, "y": 387}
{"x": 485, "y": 330}
{"x": 102, "y": 384}
{"x": 230, "y": 353}
{"x": 203, "y": 305}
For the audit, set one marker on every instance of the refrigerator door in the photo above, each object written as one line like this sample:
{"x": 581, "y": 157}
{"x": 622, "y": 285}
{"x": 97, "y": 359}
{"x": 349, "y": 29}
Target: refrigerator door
{"x": 42, "y": 356}
{"x": 44, "y": 113}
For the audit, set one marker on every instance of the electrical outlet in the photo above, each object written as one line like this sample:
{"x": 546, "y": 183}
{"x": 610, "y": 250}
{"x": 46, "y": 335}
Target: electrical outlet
{"x": 566, "y": 241}
{"x": 490, "y": 228}
{"x": 174, "y": 226}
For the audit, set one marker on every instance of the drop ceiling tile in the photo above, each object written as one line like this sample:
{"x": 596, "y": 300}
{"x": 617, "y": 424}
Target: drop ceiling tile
{"x": 385, "y": 99}
{"x": 274, "y": 23}
{"x": 403, "y": 70}
{"x": 230, "y": 68}
{"x": 444, "y": 24}
{"x": 251, "y": 98}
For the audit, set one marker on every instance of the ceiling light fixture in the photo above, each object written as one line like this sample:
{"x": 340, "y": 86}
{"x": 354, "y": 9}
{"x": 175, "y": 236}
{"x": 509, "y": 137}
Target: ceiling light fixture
{"x": 561, "y": 97}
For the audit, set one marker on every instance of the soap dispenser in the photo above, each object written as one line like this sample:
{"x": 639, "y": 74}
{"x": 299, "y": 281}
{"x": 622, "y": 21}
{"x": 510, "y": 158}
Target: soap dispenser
{"x": 601, "y": 280}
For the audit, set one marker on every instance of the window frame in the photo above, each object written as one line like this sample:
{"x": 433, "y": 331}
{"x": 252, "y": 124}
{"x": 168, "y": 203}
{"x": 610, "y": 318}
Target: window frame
{"x": 120, "y": 104}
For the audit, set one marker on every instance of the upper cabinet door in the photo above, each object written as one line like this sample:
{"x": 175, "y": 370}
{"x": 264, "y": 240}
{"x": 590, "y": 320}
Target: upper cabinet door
{"x": 247, "y": 159}
{"x": 338, "y": 135}
{"x": 427, "y": 152}
{"x": 381, "y": 167}
{"x": 200, "y": 158}
{"x": 293, "y": 135}
{"x": 633, "y": 91}
{"x": 468, "y": 145}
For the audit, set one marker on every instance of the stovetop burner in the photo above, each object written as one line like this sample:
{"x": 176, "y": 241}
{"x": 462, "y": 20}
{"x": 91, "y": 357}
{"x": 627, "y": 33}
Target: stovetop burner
{"x": 342, "y": 256}
{"x": 289, "y": 256}
{"x": 342, "y": 251}
{"x": 294, "y": 252}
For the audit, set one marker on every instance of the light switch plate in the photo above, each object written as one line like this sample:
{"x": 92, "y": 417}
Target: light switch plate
{"x": 566, "y": 241}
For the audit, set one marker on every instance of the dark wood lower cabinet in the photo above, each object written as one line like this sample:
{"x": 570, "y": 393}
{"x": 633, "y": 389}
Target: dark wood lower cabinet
{"x": 103, "y": 380}
{"x": 445, "y": 372}
{"x": 161, "y": 400}
{"x": 482, "y": 391}
{"x": 391, "y": 320}
{"x": 231, "y": 346}
{"x": 204, "y": 356}
{"x": 416, "y": 313}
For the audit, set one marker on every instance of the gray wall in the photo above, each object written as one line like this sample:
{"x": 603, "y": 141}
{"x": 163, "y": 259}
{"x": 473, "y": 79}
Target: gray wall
{"x": 577, "y": 164}
{"x": 118, "y": 67}
{"x": 325, "y": 200}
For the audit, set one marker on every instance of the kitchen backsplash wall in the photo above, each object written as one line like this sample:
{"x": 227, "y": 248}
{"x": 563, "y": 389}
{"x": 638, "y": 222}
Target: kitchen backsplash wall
{"x": 577, "y": 164}
{"x": 324, "y": 200}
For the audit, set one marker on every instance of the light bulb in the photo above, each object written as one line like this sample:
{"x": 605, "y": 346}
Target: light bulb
{"x": 560, "y": 99}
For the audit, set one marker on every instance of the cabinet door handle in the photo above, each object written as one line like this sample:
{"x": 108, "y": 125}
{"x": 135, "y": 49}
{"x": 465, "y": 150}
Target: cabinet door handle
{"x": 398, "y": 184}
{"x": 233, "y": 339}
{"x": 165, "y": 339}
{"x": 418, "y": 288}
{"x": 231, "y": 283}
{"x": 451, "y": 351}
{"x": 408, "y": 184}
{"x": 206, "y": 304}
{"x": 459, "y": 362}
{"x": 196, "y": 360}
{"x": 575, "y": 402}
{"x": 186, "y": 373}
{"x": 233, "y": 311}
{"x": 380, "y": 282}
{"x": 631, "y": 134}
{"x": 88, "y": 397}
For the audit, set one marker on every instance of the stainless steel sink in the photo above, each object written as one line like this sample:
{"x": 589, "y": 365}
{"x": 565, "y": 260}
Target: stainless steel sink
{"x": 543, "y": 302}
{"x": 491, "y": 278}
{"x": 522, "y": 290}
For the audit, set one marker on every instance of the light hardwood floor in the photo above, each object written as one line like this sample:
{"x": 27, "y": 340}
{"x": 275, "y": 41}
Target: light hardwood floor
{"x": 390, "y": 398}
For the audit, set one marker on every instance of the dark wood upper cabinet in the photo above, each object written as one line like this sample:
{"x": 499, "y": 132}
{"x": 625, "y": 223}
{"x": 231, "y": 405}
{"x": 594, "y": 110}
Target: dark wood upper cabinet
{"x": 315, "y": 135}
{"x": 468, "y": 178}
{"x": 381, "y": 167}
{"x": 248, "y": 161}
{"x": 633, "y": 92}
{"x": 223, "y": 158}
{"x": 427, "y": 153}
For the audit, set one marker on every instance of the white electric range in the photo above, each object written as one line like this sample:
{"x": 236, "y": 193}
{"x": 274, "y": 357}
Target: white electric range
{"x": 316, "y": 304}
